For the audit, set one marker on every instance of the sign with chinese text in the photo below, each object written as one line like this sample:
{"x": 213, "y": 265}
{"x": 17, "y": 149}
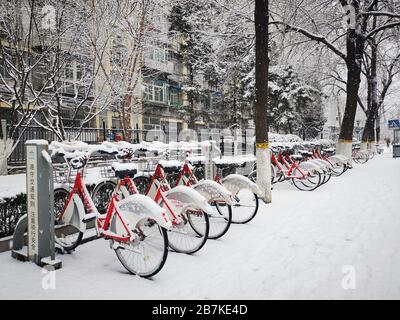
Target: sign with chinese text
{"x": 32, "y": 199}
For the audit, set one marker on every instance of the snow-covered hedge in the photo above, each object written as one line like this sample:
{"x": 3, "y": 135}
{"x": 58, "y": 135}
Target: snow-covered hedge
{"x": 11, "y": 209}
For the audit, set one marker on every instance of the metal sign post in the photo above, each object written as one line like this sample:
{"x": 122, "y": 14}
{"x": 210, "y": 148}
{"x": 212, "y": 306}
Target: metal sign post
{"x": 207, "y": 149}
{"x": 39, "y": 221}
{"x": 394, "y": 124}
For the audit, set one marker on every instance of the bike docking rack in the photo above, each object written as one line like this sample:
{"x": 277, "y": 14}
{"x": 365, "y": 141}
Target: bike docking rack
{"x": 38, "y": 223}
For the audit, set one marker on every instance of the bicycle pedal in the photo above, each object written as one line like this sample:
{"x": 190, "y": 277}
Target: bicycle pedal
{"x": 59, "y": 250}
{"x": 86, "y": 220}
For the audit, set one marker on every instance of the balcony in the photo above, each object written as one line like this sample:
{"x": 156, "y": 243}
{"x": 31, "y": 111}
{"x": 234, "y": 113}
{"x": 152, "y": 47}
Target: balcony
{"x": 166, "y": 67}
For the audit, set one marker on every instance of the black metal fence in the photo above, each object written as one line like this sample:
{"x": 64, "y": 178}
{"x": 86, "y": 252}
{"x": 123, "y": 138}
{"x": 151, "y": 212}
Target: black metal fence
{"x": 98, "y": 135}
{"x": 88, "y": 135}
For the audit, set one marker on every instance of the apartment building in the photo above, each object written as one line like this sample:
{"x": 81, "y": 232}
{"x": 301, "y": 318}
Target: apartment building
{"x": 86, "y": 85}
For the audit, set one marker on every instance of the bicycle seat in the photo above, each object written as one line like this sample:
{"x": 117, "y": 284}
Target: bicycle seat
{"x": 224, "y": 165}
{"x": 305, "y": 153}
{"x": 170, "y": 166}
{"x": 121, "y": 174}
{"x": 297, "y": 157}
{"x": 125, "y": 153}
{"x": 78, "y": 162}
{"x": 123, "y": 170}
{"x": 171, "y": 169}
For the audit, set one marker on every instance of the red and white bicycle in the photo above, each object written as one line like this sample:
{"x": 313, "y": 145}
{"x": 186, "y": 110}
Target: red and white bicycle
{"x": 135, "y": 226}
{"x": 186, "y": 208}
{"x": 218, "y": 198}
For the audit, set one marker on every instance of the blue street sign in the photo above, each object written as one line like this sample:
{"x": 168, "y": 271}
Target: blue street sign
{"x": 394, "y": 124}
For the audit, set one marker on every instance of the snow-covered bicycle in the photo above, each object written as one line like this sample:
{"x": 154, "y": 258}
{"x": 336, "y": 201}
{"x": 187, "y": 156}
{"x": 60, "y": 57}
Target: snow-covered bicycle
{"x": 185, "y": 207}
{"x": 135, "y": 226}
{"x": 243, "y": 192}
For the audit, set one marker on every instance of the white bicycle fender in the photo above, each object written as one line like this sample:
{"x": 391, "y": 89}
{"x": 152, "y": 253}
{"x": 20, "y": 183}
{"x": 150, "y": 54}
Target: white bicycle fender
{"x": 75, "y": 213}
{"x": 212, "y": 190}
{"x": 137, "y": 209}
{"x": 339, "y": 158}
{"x": 309, "y": 166}
{"x": 189, "y": 196}
{"x": 320, "y": 165}
{"x": 235, "y": 182}
{"x": 323, "y": 163}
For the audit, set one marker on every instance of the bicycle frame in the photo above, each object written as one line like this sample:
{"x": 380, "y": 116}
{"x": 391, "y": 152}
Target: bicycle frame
{"x": 289, "y": 167}
{"x": 156, "y": 190}
{"x": 79, "y": 191}
{"x": 160, "y": 190}
{"x": 80, "y": 198}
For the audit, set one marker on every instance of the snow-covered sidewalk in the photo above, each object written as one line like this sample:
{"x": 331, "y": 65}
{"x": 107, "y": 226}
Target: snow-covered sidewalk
{"x": 301, "y": 246}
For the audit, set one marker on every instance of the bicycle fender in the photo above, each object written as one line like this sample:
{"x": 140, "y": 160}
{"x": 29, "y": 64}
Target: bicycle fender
{"x": 74, "y": 213}
{"x": 323, "y": 163}
{"x": 135, "y": 210}
{"x": 235, "y": 182}
{"x": 321, "y": 166}
{"x": 309, "y": 166}
{"x": 212, "y": 190}
{"x": 188, "y": 197}
{"x": 338, "y": 159}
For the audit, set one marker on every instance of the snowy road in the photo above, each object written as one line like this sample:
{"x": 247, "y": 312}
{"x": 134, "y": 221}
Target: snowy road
{"x": 301, "y": 246}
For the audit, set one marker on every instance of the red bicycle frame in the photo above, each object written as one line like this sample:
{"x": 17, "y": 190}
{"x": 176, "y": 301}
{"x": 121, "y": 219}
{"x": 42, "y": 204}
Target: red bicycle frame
{"x": 289, "y": 165}
{"x": 158, "y": 195}
{"x": 103, "y": 222}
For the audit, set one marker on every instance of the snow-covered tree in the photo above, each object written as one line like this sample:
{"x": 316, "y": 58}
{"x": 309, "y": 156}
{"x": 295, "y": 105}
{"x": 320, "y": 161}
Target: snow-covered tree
{"x": 322, "y": 24}
{"x": 295, "y": 107}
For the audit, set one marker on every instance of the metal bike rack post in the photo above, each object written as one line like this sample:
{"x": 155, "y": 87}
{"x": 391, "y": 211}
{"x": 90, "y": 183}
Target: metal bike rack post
{"x": 39, "y": 221}
{"x": 208, "y": 151}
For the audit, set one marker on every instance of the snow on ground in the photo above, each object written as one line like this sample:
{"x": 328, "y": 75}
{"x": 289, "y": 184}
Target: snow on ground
{"x": 12, "y": 185}
{"x": 295, "y": 248}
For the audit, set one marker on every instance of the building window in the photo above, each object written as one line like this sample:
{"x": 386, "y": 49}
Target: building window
{"x": 75, "y": 79}
{"x": 174, "y": 97}
{"x": 154, "y": 91}
{"x": 159, "y": 94}
{"x": 156, "y": 54}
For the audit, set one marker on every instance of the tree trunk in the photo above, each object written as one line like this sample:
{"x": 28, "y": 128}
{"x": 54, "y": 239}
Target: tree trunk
{"x": 261, "y": 104}
{"x": 355, "y": 50}
{"x": 368, "y": 136}
{"x": 6, "y": 145}
{"x": 378, "y": 128}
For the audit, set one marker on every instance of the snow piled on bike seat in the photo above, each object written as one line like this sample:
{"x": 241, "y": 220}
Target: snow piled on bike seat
{"x": 305, "y": 245}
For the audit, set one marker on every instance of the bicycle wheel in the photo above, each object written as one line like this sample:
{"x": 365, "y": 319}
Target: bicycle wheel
{"x": 142, "y": 183}
{"x": 328, "y": 174}
{"x": 274, "y": 178}
{"x": 66, "y": 235}
{"x": 172, "y": 179}
{"x": 253, "y": 176}
{"x": 191, "y": 235}
{"x": 325, "y": 176}
{"x": 360, "y": 157}
{"x": 198, "y": 172}
{"x": 246, "y": 206}
{"x": 309, "y": 184}
{"x": 220, "y": 219}
{"x": 146, "y": 256}
{"x": 338, "y": 169}
{"x": 102, "y": 195}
